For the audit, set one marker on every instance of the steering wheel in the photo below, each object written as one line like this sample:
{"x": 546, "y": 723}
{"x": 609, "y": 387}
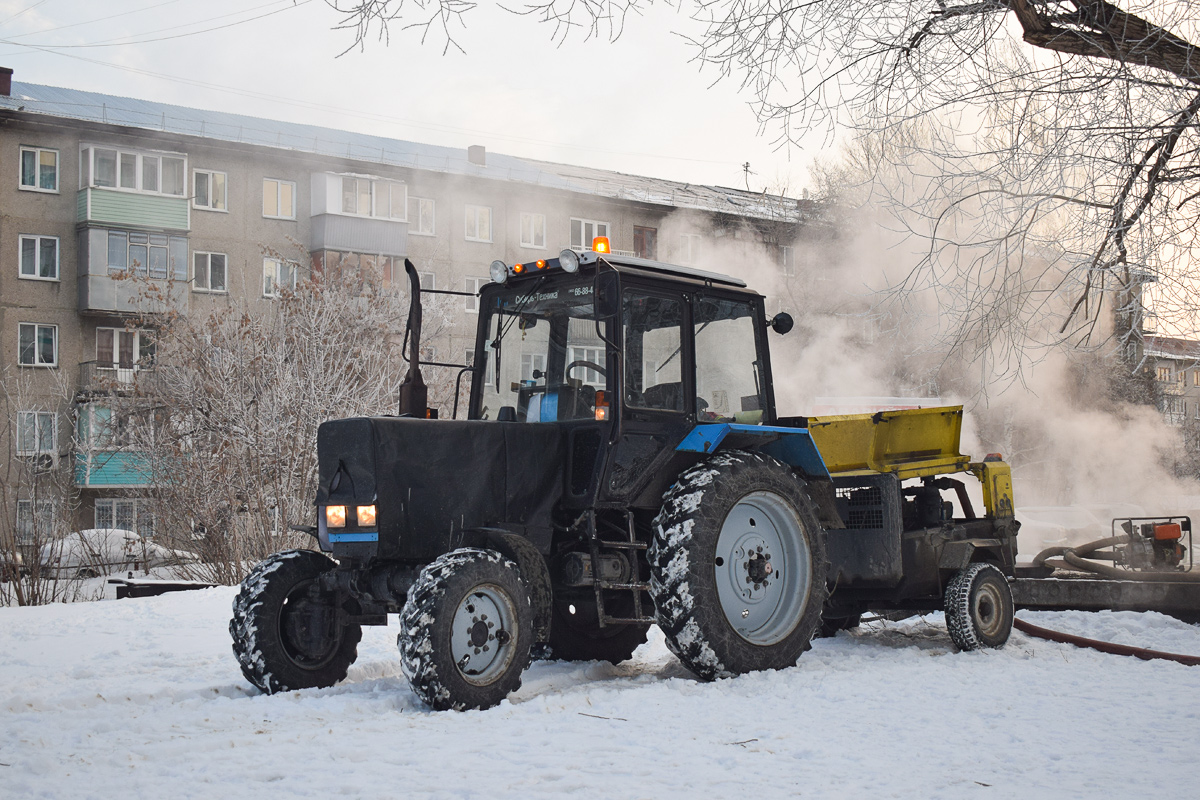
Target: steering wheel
{"x": 588, "y": 364}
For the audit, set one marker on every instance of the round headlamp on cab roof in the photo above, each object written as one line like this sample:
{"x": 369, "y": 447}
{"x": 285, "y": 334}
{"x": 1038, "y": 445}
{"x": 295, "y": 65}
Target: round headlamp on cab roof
{"x": 569, "y": 261}
{"x": 499, "y": 271}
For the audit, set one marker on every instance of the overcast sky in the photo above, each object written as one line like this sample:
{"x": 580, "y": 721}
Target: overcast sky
{"x": 635, "y": 106}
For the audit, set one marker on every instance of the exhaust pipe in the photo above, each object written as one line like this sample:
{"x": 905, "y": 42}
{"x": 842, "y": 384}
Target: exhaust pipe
{"x": 414, "y": 397}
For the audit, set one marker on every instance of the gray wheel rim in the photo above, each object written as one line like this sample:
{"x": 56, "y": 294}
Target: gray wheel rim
{"x": 987, "y": 609}
{"x": 483, "y": 634}
{"x": 762, "y": 566}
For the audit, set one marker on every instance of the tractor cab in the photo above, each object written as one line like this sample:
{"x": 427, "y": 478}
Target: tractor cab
{"x": 627, "y": 354}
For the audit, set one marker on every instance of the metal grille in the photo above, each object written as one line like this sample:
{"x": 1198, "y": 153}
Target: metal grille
{"x": 864, "y": 505}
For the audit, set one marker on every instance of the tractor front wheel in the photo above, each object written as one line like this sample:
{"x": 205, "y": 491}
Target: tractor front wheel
{"x": 737, "y": 566}
{"x": 285, "y": 634}
{"x": 979, "y": 608}
{"x": 466, "y": 631}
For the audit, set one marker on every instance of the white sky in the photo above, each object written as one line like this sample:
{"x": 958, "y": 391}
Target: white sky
{"x": 635, "y": 106}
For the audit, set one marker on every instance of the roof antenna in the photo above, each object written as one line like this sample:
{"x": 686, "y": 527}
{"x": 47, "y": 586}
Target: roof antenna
{"x": 747, "y": 173}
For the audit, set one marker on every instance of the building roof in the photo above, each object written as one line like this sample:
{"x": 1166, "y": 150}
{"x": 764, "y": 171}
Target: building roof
{"x": 148, "y": 115}
{"x": 1170, "y": 347}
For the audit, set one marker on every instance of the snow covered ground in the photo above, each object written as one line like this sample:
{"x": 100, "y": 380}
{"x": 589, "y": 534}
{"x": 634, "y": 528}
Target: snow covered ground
{"x": 143, "y": 698}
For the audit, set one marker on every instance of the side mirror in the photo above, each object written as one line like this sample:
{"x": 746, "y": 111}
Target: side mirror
{"x": 782, "y": 322}
{"x": 608, "y": 295}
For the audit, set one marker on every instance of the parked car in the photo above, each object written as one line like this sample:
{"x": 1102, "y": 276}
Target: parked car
{"x": 98, "y": 551}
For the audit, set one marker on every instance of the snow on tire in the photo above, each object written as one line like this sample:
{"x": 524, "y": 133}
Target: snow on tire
{"x": 979, "y": 608}
{"x": 466, "y": 631}
{"x": 737, "y": 566}
{"x": 268, "y": 613}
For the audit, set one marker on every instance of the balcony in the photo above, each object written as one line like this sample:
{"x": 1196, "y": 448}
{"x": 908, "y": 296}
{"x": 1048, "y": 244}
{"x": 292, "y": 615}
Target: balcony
{"x": 101, "y": 206}
{"x": 103, "y": 378}
{"x": 111, "y": 469}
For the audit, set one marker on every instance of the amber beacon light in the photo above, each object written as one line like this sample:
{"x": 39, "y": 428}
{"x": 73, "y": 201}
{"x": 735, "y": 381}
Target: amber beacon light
{"x": 600, "y": 245}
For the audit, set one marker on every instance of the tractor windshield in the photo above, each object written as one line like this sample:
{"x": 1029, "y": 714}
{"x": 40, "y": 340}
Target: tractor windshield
{"x": 543, "y": 360}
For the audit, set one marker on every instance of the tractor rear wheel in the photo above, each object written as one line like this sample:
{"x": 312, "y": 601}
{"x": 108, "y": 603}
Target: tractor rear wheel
{"x": 466, "y": 631}
{"x": 979, "y": 608}
{"x": 737, "y": 566}
{"x": 285, "y": 636}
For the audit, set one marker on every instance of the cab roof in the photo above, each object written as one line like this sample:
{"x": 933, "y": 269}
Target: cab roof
{"x": 592, "y": 257}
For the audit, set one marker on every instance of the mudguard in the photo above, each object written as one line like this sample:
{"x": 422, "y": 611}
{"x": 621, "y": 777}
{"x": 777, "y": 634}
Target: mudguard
{"x": 793, "y": 446}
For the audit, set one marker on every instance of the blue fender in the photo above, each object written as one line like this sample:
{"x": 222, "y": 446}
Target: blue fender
{"x": 793, "y": 446}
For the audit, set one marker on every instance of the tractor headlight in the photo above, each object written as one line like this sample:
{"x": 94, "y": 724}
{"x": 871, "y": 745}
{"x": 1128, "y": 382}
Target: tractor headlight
{"x": 366, "y": 516}
{"x": 499, "y": 271}
{"x": 569, "y": 261}
{"x": 335, "y": 516}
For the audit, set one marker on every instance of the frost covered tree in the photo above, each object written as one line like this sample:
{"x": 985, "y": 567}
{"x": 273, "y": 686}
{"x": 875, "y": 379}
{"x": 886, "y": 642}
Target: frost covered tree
{"x": 230, "y": 427}
{"x": 1058, "y": 159}
{"x": 37, "y": 492}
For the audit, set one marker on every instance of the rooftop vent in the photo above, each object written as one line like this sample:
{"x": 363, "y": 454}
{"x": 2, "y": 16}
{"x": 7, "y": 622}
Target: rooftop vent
{"x": 476, "y": 154}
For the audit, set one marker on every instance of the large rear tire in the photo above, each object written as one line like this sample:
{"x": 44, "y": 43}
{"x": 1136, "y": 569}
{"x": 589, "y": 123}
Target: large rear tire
{"x": 466, "y": 631}
{"x": 979, "y": 608}
{"x": 737, "y": 566}
{"x": 283, "y": 637}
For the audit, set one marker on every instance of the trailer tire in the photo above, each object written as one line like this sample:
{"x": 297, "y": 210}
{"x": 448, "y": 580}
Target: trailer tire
{"x": 579, "y": 637}
{"x": 737, "y": 566}
{"x": 264, "y": 631}
{"x": 979, "y": 608}
{"x": 831, "y": 625}
{"x": 445, "y": 625}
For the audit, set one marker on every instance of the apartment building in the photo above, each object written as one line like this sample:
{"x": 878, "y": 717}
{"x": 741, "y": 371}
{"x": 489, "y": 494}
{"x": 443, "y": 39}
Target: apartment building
{"x": 1176, "y": 366}
{"x": 209, "y": 208}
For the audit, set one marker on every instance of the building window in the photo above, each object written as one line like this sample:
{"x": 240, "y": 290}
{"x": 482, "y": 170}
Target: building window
{"x": 371, "y": 197}
{"x": 594, "y": 355}
{"x": 689, "y": 248}
{"x": 427, "y": 280}
{"x": 787, "y": 260}
{"x": 130, "y": 514}
{"x": 100, "y": 429}
{"x": 533, "y": 230}
{"x": 39, "y": 169}
{"x": 124, "y": 350}
{"x": 209, "y": 272}
{"x": 479, "y": 224}
{"x": 473, "y": 285}
{"x": 1164, "y": 374}
{"x": 1181, "y": 375}
{"x": 148, "y": 172}
{"x": 420, "y": 216}
{"x": 210, "y": 190}
{"x": 36, "y": 432}
{"x": 35, "y": 527}
{"x": 583, "y": 231}
{"x": 39, "y": 257}
{"x": 149, "y": 255}
{"x": 645, "y": 242}
{"x": 38, "y": 345}
{"x": 279, "y": 199}
{"x": 279, "y": 276}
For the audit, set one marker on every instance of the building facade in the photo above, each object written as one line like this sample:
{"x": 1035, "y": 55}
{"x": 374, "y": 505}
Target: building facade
{"x": 206, "y": 208}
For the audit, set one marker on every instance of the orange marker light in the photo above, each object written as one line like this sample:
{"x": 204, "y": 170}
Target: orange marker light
{"x": 541, "y": 264}
{"x": 600, "y": 244}
{"x": 518, "y": 269}
{"x": 601, "y": 406}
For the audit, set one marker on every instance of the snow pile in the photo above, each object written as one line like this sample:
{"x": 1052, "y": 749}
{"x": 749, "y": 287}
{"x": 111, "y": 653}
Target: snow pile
{"x": 144, "y": 698}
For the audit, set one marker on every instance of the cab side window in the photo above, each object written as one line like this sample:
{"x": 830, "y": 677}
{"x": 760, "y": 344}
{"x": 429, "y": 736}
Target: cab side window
{"x": 653, "y": 351}
{"x": 727, "y": 375}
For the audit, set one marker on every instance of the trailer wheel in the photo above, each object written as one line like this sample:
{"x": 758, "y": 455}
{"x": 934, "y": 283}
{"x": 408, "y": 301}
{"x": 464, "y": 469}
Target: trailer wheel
{"x": 737, "y": 566}
{"x": 283, "y": 637}
{"x": 578, "y": 636}
{"x": 466, "y": 631}
{"x": 979, "y": 608}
